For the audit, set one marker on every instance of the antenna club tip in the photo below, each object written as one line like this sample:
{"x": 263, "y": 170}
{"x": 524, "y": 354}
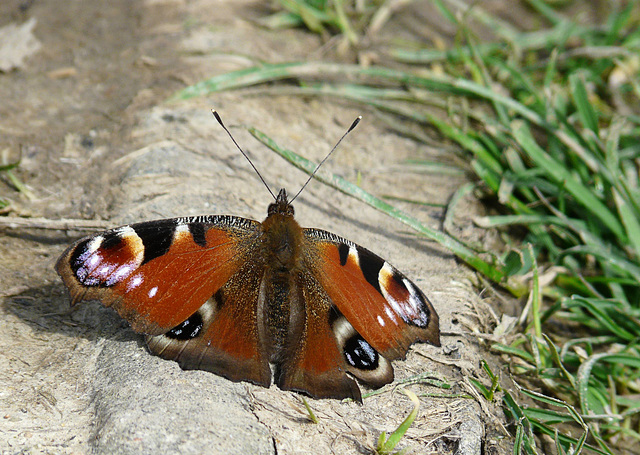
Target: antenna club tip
{"x": 355, "y": 123}
{"x": 217, "y": 116}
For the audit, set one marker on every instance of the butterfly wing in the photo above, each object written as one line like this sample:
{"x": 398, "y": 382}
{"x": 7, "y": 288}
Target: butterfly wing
{"x": 185, "y": 282}
{"x": 376, "y": 309}
{"x": 224, "y": 335}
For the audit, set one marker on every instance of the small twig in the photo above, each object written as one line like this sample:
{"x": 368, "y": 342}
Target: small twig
{"x": 14, "y": 222}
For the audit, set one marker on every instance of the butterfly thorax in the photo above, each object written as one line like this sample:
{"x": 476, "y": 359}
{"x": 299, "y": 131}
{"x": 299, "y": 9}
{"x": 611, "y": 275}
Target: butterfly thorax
{"x": 283, "y": 235}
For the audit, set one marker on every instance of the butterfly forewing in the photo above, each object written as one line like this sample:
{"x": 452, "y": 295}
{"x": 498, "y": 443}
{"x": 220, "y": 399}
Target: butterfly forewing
{"x": 381, "y": 304}
{"x": 157, "y": 274}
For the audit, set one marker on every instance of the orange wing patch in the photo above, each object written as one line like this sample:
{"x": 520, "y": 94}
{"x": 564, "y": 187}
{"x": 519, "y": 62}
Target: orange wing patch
{"x": 171, "y": 287}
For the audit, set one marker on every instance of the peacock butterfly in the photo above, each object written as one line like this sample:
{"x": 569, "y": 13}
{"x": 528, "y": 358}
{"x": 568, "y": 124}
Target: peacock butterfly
{"x": 235, "y": 297}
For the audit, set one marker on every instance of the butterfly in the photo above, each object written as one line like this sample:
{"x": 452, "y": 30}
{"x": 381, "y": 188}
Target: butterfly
{"x": 256, "y": 301}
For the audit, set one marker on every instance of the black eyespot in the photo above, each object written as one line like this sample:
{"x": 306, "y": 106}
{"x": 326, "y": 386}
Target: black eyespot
{"x": 80, "y": 260}
{"x": 422, "y": 315}
{"x": 188, "y": 329}
{"x": 75, "y": 259}
{"x": 359, "y": 354}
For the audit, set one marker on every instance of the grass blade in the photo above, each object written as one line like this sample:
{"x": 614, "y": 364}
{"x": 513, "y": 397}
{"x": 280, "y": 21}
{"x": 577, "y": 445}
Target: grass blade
{"x": 562, "y": 176}
{"x": 387, "y": 445}
{"x": 587, "y": 114}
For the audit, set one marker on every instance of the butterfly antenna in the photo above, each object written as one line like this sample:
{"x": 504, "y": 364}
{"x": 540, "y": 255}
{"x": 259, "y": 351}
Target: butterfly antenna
{"x": 353, "y": 125}
{"x": 217, "y": 116}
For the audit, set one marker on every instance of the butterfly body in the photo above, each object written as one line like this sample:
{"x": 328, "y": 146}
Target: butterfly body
{"x": 237, "y": 297}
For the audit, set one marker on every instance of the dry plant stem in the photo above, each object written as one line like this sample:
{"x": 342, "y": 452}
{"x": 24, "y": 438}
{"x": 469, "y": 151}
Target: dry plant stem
{"x": 14, "y": 222}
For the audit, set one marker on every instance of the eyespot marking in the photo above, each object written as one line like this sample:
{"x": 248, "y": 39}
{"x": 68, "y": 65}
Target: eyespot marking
{"x": 359, "y": 354}
{"x": 107, "y": 259}
{"x": 188, "y": 329}
{"x": 403, "y": 297}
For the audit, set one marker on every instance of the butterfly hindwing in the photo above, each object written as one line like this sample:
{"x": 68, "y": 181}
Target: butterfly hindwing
{"x": 223, "y": 335}
{"x": 313, "y": 361}
{"x": 361, "y": 359}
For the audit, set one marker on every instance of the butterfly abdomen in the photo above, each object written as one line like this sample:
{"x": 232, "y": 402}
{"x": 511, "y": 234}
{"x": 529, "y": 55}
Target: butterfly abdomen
{"x": 279, "y": 310}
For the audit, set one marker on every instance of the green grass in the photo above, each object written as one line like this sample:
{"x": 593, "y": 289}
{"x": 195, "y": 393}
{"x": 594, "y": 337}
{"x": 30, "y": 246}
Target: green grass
{"x": 549, "y": 121}
{"x": 6, "y": 173}
{"x": 387, "y": 444}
